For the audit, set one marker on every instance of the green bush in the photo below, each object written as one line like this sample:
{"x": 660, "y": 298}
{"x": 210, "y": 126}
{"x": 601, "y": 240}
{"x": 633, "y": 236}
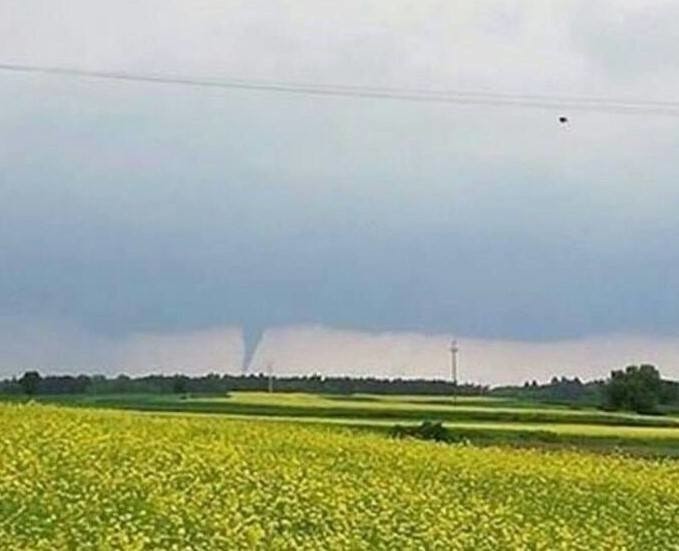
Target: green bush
{"x": 428, "y": 430}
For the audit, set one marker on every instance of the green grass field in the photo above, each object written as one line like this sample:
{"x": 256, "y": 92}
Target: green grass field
{"x": 483, "y": 421}
{"x": 369, "y": 407}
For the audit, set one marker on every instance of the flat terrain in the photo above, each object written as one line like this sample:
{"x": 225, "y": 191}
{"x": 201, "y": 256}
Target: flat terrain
{"x": 81, "y": 478}
{"x": 370, "y": 406}
{"x": 480, "y": 420}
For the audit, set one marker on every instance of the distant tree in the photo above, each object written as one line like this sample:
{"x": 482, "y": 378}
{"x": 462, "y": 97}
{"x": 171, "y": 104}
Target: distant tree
{"x": 122, "y": 383}
{"x": 10, "y": 386}
{"x": 82, "y": 383}
{"x": 98, "y": 384}
{"x": 670, "y": 392}
{"x": 29, "y": 382}
{"x": 180, "y": 384}
{"x": 637, "y": 388}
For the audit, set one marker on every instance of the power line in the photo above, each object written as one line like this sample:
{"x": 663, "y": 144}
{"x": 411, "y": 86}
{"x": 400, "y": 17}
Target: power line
{"x": 458, "y": 97}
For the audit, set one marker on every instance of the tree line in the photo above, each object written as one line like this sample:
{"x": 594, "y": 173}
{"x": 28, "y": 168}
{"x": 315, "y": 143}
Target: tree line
{"x": 636, "y": 388}
{"x": 33, "y": 383}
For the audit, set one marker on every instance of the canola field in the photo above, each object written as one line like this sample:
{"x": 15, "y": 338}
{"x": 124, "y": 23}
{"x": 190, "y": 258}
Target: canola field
{"x": 98, "y": 479}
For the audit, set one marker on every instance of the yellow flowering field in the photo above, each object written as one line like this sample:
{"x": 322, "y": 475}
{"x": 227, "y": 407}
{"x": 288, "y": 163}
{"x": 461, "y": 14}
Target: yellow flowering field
{"x": 95, "y": 479}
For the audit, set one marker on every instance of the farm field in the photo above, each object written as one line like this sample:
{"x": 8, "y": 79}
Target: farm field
{"x": 369, "y": 407}
{"x": 101, "y": 479}
{"x": 480, "y": 420}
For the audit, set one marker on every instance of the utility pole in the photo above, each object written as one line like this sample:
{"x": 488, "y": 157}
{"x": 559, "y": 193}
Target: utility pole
{"x": 454, "y": 349}
{"x": 270, "y": 370}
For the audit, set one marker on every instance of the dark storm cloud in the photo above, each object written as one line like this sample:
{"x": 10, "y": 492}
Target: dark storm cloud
{"x": 127, "y": 208}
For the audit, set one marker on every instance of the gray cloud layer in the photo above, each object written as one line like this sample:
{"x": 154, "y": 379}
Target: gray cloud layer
{"x": 127, "y": 208}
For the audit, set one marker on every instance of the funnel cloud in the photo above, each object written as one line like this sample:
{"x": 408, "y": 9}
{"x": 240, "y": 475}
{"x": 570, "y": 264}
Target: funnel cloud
{"x": 252, "y": 336}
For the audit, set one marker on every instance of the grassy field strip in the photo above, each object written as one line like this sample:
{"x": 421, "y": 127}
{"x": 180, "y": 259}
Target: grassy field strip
{"x": 320, "y": 401}
{"x": 352, "y": 407}
{"x": 490, "y": 426}
{"x": 405, "y": 402}
{"x": 603, "y": 431}
{"x": 410, "y": 409}
{"x": 577, "y": 429}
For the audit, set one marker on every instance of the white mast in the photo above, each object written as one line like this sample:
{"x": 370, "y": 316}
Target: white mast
{"x": 270, "y": 370}
{"x": 454, "y": 349}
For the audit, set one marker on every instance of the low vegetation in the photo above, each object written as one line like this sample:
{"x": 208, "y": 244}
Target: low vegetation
{"x": 480, "y": 420}
{"x": 638, "y": 389}
{"x": 428, "y": 430}
{"x": 84, "y": 478}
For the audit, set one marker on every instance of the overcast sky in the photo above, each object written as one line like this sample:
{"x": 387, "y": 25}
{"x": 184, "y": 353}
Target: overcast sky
{"x": 132, "y": 209}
